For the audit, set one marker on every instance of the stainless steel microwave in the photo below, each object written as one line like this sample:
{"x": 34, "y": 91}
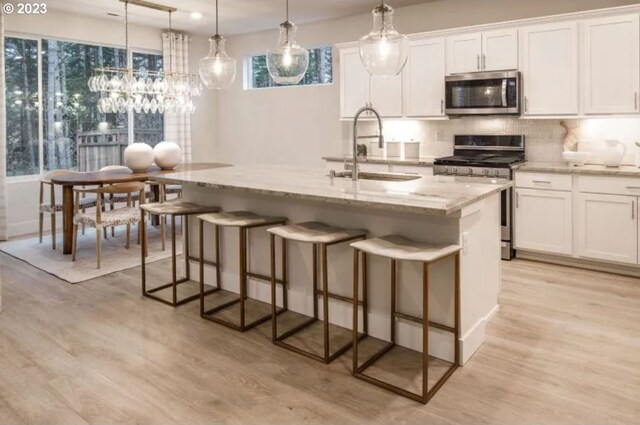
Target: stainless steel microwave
{"x": 483, "y": 93}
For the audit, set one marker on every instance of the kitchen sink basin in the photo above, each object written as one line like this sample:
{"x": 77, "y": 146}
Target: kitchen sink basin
{"x": 387, "y": 177}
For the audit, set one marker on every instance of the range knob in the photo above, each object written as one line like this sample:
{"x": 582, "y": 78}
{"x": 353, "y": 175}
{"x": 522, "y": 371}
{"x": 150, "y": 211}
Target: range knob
{"x": 470, "y": 171}
{"x": 496, "y": 172}
{"x": 454, "y": 170}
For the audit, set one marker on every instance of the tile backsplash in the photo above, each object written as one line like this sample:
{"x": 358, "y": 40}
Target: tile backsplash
{"x": 543, "y": 138}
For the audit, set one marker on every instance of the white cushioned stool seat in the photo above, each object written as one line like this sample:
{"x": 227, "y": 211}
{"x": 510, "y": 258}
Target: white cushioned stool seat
{"x": 403, "y": 249}
{"x": 177, "y": 207}
{"x": 240, "y": 219}
{"x": 315, "y": 232}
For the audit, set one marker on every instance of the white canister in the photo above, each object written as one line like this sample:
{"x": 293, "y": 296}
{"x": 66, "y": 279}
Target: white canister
{"x": 394, "y": 149}
{"x": 412, "y": 150}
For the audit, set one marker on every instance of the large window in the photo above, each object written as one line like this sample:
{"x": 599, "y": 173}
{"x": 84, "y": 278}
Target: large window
{"x": 72, "y": 134}
{"x": 320, "y": 69}
{"x": 147, "y": 128}
{"x": 21, "y": 76}
{"x": 69, "y": 108}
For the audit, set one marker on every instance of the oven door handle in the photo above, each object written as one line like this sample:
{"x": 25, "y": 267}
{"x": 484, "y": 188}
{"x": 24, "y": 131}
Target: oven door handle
{"x": 504, "y": 93}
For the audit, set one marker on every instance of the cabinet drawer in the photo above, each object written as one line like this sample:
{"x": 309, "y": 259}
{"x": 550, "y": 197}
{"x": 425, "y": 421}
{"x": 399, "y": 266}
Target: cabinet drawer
{"x": 543, "y": 181}
{"x": 411, "y": 169}
{"x": 609, "y": 185}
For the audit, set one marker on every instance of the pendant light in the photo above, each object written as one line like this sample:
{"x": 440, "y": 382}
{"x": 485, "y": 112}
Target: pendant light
{"x": 384, "y": 51}
{"x": 217, "y": 69}
{"x": 288, "y": 62}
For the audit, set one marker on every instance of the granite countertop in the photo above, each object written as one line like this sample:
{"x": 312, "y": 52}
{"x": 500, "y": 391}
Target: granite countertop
{"x": 424, "y": 161}
{"x": 592, "y": 169}
{"x": 434, "y": 195}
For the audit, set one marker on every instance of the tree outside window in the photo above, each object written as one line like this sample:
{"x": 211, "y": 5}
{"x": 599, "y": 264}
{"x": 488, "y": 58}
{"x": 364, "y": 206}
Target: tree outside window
{"x": 320, "y": 69}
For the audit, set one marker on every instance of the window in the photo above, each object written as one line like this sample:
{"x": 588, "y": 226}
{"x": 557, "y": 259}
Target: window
{"x": 320, "y": 69}
{"x": 147, "y": 128}
{"x": 71, "y": 134}
{"x": 71, "y": 118}
{"x": 21, "y": 76}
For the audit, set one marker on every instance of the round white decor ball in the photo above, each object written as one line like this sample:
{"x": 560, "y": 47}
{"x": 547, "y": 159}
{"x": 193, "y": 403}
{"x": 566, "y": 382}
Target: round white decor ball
{"x": 168, "y": 155}
{"x": 138, "y": 156}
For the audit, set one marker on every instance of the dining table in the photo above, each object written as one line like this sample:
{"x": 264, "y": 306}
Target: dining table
{"x": 104, "y": 178}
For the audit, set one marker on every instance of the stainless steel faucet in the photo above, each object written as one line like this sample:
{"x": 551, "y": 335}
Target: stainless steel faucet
{"x": 380, "y": 137}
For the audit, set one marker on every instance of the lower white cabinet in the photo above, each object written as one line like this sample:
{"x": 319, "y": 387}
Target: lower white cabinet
{"x": 608, "y": 227}
{"x": 543, "y": 220}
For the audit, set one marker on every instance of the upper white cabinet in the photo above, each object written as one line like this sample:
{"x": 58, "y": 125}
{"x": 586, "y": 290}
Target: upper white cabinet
{"x": 608, "y": 227}
{"x": 549, "y": 59}
{"x": 424, "y": 78}
{"x": 358, "y": 89}
{"x": 611, "y": 65}
{"x": 464, "y": 53}
{"x": 486, "y": 51}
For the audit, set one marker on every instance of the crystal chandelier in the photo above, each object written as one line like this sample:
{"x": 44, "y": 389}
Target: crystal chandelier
{"x": 125, "y": 90}
{"x": 288, "y": 62}
{"x": 384, "y": 51}
{"x": 217, "y": 69}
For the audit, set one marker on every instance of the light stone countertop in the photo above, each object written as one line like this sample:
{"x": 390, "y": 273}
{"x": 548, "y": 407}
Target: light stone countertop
{"x": 590, "y": 169}
{"x": 423, "y": 161}
{"x": 434, "y": 195}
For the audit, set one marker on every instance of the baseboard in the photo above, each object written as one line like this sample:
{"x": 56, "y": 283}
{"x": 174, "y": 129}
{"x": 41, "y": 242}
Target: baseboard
{"x": 601, "y": 266}
{"x": 29, "y": 227}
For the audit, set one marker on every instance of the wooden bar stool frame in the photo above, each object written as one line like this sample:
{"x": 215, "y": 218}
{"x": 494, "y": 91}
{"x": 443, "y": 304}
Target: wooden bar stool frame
{"x": 244, "y": 274}
{"x": 279, "y": 340}
{"x": 359, "y": 371}
{"x": 175, "y": 281}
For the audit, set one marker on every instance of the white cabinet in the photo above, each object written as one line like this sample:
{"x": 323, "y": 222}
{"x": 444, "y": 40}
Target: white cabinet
{"x": 500, "y": 49}
{"x": 550, "y": 68}
{"x": 424, "y": 78}
{"x": 358, "y": 89}
{"x": 463, "y": 53}
{"x": 611, "y": 64}
{"x": 487, "y": 51}
{"x": 543, "y": 220}
{"x": 608, "y": 227}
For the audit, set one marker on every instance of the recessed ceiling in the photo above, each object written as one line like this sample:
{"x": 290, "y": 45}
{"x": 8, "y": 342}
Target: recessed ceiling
{"x": 236, "y": 16}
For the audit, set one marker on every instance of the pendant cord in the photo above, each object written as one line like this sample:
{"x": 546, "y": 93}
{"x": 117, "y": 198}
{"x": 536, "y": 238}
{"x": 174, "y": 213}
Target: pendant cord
{"x": 170, "y": 46}
{"x": 216, "y": 17}
{"x": 287, "y": 10}
{"x": 126, "y": 32}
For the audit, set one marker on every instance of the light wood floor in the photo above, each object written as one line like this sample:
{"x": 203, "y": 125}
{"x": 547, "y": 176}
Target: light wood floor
{"x": 564, "y": 349}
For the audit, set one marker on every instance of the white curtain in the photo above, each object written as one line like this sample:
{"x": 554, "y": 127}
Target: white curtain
{"x": 177, "y": 127}
{"x": 3, "y": 140}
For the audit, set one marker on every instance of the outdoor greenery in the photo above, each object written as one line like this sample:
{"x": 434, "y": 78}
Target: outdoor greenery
{"x": 320, "y": 69}
{"x": 69, "y": 108}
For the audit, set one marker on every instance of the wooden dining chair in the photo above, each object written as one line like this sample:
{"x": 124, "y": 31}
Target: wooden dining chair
{"x": 53, "y": 207}
{"x": 115, "y": 217}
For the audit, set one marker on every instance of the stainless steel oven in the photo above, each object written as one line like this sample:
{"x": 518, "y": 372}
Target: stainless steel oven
{"x": 483, "y": 93}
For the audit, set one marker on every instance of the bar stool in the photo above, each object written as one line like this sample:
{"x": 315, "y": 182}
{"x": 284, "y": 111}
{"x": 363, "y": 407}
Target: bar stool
{"x": 171, "y": 209}
{"x": 320, "y": 236}
{"x": 244, "y": 221}
{"x": 397, "y": 248}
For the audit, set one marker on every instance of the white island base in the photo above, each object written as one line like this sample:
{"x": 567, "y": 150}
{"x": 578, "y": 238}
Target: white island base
{"x": 475, "y": 227}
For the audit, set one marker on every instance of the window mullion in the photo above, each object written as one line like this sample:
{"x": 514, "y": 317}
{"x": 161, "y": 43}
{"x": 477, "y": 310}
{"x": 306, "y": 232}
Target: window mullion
{"x": 40, "y": 111}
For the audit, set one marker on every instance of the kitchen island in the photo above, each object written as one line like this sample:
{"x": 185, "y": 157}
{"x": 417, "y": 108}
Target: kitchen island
{"x": 438, "y": 209}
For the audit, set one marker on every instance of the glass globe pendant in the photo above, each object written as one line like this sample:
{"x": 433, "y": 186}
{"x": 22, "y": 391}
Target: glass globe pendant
{"x": 384, "y": 51}
{"x": 217, "y": 69}
{"x": 288, "y": 62}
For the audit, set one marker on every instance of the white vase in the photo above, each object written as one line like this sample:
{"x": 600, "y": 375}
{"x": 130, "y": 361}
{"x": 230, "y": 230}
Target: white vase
{"x": 613, "y": 154}
{"x": 167, "y": 155}
{"x": 138, "y": 156}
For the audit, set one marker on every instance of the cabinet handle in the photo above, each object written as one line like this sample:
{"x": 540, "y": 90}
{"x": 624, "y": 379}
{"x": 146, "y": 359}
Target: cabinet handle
{"x": 478, "y": 62}
{"x": 541, "y": 181}
{"x": 484, "y": 61}
{"x": 635, "y": 101}
{"x": 442, "y": 106}
{"x": 526, "y": 104}
{"x": 633, "y": 187}
{"x": 633, "y": 210}
{"x": 517, "y": 199}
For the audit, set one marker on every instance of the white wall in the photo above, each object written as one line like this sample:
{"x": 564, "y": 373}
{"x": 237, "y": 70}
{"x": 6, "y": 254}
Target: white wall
{"x": 23, "y": 195}
{"x": 298, "y": 125}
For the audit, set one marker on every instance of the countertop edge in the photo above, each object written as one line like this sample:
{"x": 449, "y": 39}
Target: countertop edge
{"x": 391, "y": 161}
{"x": 563, "y": 168}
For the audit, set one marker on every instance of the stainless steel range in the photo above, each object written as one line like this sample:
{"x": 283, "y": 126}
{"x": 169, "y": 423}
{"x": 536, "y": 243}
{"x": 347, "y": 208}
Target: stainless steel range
{"x": 491, "y": 157}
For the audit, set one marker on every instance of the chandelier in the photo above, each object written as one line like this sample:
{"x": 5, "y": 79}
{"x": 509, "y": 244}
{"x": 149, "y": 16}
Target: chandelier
{"x": 125, "y": 89}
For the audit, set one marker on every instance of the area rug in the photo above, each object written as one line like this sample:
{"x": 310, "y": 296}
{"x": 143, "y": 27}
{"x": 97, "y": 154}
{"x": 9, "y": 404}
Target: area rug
{"x": 115, "y": 257}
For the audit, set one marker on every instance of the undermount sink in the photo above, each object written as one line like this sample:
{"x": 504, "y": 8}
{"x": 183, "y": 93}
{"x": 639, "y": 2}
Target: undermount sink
{"x": 387, "y": 177}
